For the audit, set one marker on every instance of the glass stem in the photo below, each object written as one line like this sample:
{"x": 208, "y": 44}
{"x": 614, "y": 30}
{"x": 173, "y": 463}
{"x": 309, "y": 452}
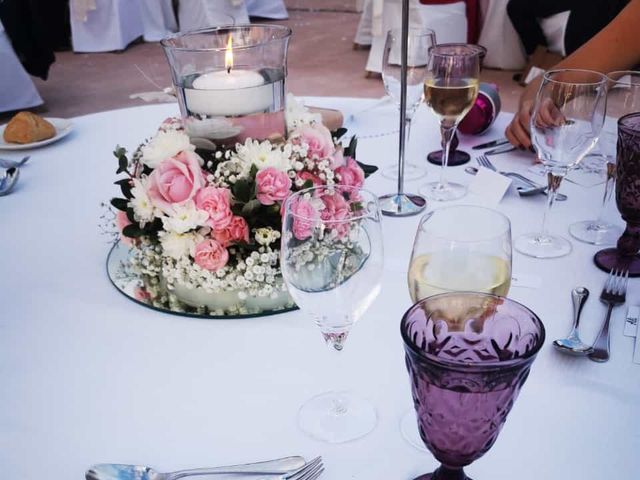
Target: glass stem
{"x": 339, "y": 402}
{"x": 554, "y": 184}
{"x": 449, "y": 473}
{"x": 608, "y": 192}
{"x": 401, "y": 160}
{"x": 447, "y": 132}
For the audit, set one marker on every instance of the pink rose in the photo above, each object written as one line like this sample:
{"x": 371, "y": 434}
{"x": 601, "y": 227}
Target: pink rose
{"x": 351, "y": 174}
{"x": 318, "y": 140}
{"x": 122, "y": 221}
{"x": 236, "y": 231}
{"x": 304, "y": 176}
{"x": 273, "y": 186}
{"x": 211, "y": 255}
{"x": 304, "y": 216}
{"x": 336, "y": 211}
{"x": 141, "y": 294}
{"x": 217, "y": 203}
{"x": 176, "y": 180}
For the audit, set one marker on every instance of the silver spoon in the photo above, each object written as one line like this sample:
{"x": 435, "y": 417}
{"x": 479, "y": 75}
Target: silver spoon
{"x": 530, "y": 188}
{"x": 572, "y": 344}
{"x": 6, "y": 163}
{"x": 114, "y": 471}
{"x": 8, "y": 180}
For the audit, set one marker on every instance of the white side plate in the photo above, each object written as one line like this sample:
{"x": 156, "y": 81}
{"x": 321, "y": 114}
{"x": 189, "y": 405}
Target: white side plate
{"x": 63, "y": 128}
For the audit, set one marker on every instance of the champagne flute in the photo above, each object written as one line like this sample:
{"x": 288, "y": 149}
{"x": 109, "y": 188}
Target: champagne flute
{"x": 450, "y": 91}
{"x": 623, "y": 97}
{"x": 420, "y": 40}
{"x": 457, "y": 248}
{"x": 332, "y": 259}
{"x": 566, "y": 121}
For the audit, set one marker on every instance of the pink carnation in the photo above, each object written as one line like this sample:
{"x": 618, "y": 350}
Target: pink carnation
{"x": 338, "y": 160}
{"x": 273, "y": 186}
{"x": 336, "y": 211}
{"x": 217, "y": 203}
{"x": 304, "y": 216}
{"x": 304, "y": 176}
{"x": 236, "y": 231}
{"x": 318, "y": 140}
{"x": 351, "y": 174}
{"x": 176, "y": 180}
{"x": 211, "y": 255}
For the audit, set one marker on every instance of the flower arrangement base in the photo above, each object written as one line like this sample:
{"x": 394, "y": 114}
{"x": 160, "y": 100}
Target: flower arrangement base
{"x": 189, "y": 302}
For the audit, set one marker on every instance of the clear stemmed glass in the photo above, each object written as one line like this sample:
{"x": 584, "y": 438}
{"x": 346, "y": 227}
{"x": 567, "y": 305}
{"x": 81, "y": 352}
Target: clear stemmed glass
{"x": 332, "y": 260}
{"x": 468, "y": 355}
{"x": 419, "y": 42}
{"x": 566, "y": 121}
{"x": 450, "y": 91}
{"x": 458, "y": 248}
{"x": 623, "y": 96}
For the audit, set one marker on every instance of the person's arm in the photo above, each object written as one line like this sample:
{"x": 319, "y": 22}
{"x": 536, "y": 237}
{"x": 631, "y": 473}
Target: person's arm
{"x": 615, "y": 47}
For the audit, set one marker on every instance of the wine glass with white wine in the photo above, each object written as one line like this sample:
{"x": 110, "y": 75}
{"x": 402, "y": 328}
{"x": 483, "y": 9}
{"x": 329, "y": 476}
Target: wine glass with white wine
{"x": 450, "y": 90}
{"x": 458, "y": 248}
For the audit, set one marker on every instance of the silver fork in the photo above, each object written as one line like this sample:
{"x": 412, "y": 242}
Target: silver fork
{"x": 484, "y": 161}
{"x": 310, "y": 471}
{"x": 613, "y": 294}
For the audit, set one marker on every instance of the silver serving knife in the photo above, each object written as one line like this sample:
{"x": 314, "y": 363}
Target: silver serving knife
{"x": 492, "y": 143}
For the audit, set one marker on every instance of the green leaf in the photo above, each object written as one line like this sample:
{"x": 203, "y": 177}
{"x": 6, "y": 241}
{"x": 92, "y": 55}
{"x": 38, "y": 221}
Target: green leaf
{"x": 307, "y": 184}
{"x": 153, "y": 227}
{"x": 130, "y": 215}
{"x": 120, "y": 203}
{"x": 132, "y": 231}
{"x": 250, "y": 208}
{"x": 242, "y": 190}
{"x": 237, "y": 207}
{"x": 125, "y": 186}
{"x": 120, "y": 152}
{"x": 253, "y": 171}
{"x": 368, "y": 169}
{"x": 356, "y": 206}
{"x": 337, "y": 134}
{"x": 350, "y": 151}
{"x": 123, "y": 163}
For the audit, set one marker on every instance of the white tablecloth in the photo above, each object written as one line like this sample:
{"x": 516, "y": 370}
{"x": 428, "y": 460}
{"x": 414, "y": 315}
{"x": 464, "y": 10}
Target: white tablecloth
{"x": 88, "y": 376}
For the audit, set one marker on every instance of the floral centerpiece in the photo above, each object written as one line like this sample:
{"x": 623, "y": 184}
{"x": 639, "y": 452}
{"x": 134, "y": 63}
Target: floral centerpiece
{"x": 204, "y": 226}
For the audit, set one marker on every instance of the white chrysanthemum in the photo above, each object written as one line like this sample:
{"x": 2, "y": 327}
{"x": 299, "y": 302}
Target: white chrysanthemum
{"x": 297, "y": 114}
{"x": 164, "y": 145}
{"x": 143, "y": 209}
{"x": 177, "y": 245}
{"x": 184, "y": 218}
{"x": 262, "y": 155}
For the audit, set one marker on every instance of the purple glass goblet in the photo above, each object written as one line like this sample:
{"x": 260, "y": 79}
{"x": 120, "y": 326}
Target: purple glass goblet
{"x": 468, "y": 354}
{"x": 625, "y": 255}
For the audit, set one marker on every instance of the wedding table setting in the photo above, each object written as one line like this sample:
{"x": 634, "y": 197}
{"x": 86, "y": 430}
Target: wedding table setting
{"x": 92, "y": 375}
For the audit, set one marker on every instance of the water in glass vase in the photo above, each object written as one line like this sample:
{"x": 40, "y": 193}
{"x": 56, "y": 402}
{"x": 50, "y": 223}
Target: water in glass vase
{"x": 442, "y": 272}
{"x": 230, "y": 106}
{"x": 450, "y": 99}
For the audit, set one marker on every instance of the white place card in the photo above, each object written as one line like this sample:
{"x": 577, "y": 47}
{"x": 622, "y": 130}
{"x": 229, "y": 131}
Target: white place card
{"x": 489, "y": 186}
{"x": 631, "y": 322}
{"x": 525, "y": 280}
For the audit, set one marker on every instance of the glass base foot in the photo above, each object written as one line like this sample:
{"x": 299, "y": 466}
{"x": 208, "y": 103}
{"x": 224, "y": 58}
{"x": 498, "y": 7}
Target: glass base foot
{"x": 337, "y": 417}
{"x": 444, "y": 473}
{"x": 595, "y": 233}
{"x": 405, "y": 205}
{"x": 609, "y": 258}
{"x": 409, "y": 430}
{"x": 412, "y": 171}
{"x": 542, "y": 246}
{"x": 456, "y": 158}
{"x": 443, "y": 192}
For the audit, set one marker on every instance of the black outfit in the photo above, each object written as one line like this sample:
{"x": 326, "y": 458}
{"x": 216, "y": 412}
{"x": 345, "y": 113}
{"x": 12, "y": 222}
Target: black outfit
{"x": 587, "y": 18}
{"x": 36, "y": 28}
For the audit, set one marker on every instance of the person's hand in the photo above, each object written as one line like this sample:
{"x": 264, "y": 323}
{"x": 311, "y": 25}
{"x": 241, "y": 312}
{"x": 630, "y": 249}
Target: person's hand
{"x": 517, "y": 131}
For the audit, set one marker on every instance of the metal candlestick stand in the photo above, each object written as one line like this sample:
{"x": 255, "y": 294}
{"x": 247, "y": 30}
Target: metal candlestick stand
{"x": 402, "y": 204}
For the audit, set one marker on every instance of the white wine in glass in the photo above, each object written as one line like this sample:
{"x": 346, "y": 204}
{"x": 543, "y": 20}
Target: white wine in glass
{"x": 450, "y": 90}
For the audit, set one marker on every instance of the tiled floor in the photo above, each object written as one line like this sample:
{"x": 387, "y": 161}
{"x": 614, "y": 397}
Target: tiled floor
{"x": 322, "y": 61}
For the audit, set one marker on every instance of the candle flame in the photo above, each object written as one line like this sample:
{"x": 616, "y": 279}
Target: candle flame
{"x": 228, "y": 56}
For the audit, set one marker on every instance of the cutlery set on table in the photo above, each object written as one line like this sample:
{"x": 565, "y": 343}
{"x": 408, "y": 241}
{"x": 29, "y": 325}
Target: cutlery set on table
{"x": 9, "y": 177}
{"x": 288, "y": 468}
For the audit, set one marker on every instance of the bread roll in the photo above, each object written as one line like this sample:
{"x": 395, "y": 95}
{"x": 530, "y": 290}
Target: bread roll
{"x": 27, "y": 127}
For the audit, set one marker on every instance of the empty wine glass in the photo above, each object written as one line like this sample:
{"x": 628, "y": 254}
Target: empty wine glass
{"x": 419, "y": 42}
{"x": 565, "y": 124}
{"x": 468, "y": 355}
{"x": 450, "y": 91}
{"x": 331, "y": 260}
{"x": 623, "y": 97}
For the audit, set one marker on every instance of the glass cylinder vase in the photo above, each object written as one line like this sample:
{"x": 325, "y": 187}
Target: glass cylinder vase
{"x": 230, "y": 82}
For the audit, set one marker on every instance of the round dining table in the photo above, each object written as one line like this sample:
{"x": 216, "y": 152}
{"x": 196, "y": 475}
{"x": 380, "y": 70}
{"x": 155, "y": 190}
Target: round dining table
{"x": 87, "y": 376}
